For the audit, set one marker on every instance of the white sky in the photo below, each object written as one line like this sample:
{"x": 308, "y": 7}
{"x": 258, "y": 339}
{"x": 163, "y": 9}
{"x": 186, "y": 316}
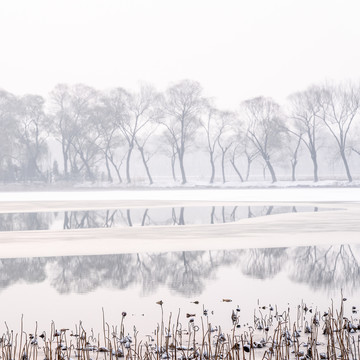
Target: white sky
{"x": 235, "y": 49}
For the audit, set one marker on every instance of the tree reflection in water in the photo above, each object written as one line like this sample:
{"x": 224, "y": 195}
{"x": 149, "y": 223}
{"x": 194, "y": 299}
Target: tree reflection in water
{"x": 187, "y": 272}
{"x": 138, "y": 217}
{"x": 264, "y": 263}
{"x": 326, "y": 267}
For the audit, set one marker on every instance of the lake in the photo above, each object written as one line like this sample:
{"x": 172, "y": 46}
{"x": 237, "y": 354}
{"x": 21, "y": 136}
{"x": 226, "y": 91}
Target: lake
{"x": 67, "y": 289}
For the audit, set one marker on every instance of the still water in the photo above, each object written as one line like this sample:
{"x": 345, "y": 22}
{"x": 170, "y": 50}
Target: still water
{"x": 70, "y": 289}
{"x": 140, "y": 217}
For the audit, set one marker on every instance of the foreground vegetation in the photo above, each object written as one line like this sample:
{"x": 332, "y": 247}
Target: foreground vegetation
{"x": 307, "y": 334}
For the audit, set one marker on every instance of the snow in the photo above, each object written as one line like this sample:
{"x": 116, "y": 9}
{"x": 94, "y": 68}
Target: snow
{"x": 270, "y": 194}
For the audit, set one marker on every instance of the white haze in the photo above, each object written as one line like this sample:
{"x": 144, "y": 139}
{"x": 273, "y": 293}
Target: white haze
{"x": 235, "y": 49}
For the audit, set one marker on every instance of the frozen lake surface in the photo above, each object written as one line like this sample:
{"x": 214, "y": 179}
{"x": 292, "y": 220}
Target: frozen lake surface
{"x": 69, "y": 275}
{"x": 159, "y": 216}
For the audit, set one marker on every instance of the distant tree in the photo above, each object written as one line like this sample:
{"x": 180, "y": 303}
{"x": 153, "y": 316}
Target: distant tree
{"x": 145, "y": 152}
{"x": 265, "y": 128}
{"x": 133, "y": 114}
{"x": 233, "y": 156}
{"x": 32, "y": 135}
{"x": 214, "y": 123}
{"x": 226, "y": 138}
{"x": 293, "y": 148}
{"x": 110, "y": 142}
{"x": 168, "y": 148}
{"x": 340, "y": 105}
{"x": 181, "y": 106}
{"x": 251, "y": 153}
{"x": 55, "y": 170}
{"x": 239, "y": 149}
{"x": 145, "y": 107}
{"x": 294, "y": 159}
{"x": 9, "y": 142}
{"x": 305, "y": 123}
{"x": 71, "y": 111}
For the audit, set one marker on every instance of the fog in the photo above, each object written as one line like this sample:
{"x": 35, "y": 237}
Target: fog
{"x": 176, "y": 151}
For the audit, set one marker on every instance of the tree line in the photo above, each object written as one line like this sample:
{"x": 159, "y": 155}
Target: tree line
{"x": 102, "y": 135}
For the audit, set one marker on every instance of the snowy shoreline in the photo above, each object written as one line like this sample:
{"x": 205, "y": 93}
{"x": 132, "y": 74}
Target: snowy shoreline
{"x": 166, "y": 185}
{"x": 340, "y": 226}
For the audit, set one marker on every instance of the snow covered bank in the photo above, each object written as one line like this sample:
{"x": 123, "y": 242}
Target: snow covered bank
{"x": 253, "y": 195}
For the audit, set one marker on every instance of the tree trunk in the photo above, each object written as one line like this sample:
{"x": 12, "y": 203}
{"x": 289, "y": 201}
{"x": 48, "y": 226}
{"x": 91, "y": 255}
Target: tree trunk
{"x": 144, "y": 217}
{"x": 294, "y": 160}
{"x": 173, "y": 216}
{"x": 173, "y": 158}
{"x": 233, "y": 213}
{"x": 212, "y": 167}
{"x": 182, "y": 169}
{"x": 128, "y": 178}
{"x": 66, "y": 221}
{"x": 128, "y": 215}
{"x": 236, "y": 170}
{"x": 293, "y": 168}
{"x": 343, "y": 156}
{"x": 314, "y": 160}
{"x": 141, "y": 149}
{"x": 117, "y": 169}
{"x": 110, "y": 179}
{"x": 212, "y": 215}
{"x": 223, "y": 167}
{"x": 272, "y": 172}
{"x": 181, "y": 216}
{"x": 65, "y": 157}
{"x": 89, "y": 173}
{"x": 248, "y": 169}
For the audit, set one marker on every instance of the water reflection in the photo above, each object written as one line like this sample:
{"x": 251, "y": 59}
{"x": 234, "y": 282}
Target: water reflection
{"x": 320, "y": 267}
{"x": 186, "y": 273}
{"x": 139, "y": 217}
{"x": 264, "y": 263}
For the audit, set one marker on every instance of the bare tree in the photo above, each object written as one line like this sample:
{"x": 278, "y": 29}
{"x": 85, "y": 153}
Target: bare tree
{"x": 133, "y": 113}
{"x": 238, "y": 149}
{"x": 168, "y": 148}
{"x": 146, "y": 155}
{"x": 265, "y": 128}
{"x": 340, "y": 105}
{"x": 182, "y": 104}
{"x": 71, "y": 110}
{"x": 226, "y": 138}
{"x": 251, "y": 154}
{"x": 8, "y": 136}
{"x": 215, "y": 123}
{"x": 33, "y": 134}
{"x": 110, "y": 142}
{"x": 293, "y": 146}
{"x": 145, "y": 108}
{"x": 117, "y": 106}
{"x": 233, "y": 156}
{"x": 306, "y": 125}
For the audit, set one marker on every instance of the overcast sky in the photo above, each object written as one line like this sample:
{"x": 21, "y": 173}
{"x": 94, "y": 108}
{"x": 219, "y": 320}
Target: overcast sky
{"x": 235, "y": 49}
